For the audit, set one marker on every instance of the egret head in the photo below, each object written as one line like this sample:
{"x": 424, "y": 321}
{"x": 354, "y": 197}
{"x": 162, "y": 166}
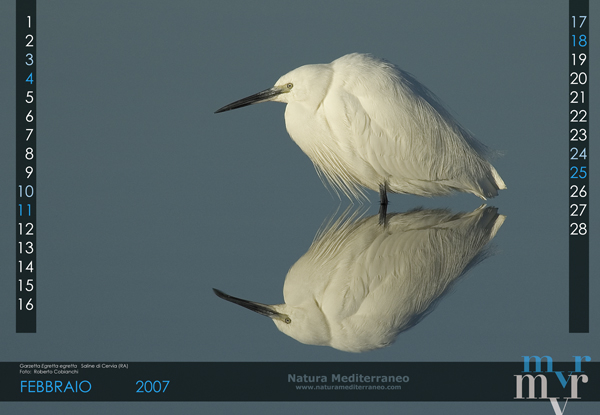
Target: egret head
{"x": 305, "y": 82}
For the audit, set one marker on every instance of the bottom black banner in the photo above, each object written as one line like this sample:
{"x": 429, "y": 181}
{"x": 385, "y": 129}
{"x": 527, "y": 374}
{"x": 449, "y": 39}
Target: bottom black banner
{"x": 532, "y": 380}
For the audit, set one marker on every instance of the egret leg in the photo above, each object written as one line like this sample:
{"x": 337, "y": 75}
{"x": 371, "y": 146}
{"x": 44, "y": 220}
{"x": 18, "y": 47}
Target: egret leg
{"x": 383, "y": 215}
{"x": 383, "y": 200}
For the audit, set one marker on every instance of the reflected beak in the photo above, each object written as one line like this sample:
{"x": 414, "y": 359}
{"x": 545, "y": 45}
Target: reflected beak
{"x": 262, "y": 96}
{"x": 262, "y": 309}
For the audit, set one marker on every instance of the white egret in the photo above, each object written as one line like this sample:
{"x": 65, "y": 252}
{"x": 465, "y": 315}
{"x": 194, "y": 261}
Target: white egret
{"x": 361, "y": 284}
{"x": 366, "y": 123}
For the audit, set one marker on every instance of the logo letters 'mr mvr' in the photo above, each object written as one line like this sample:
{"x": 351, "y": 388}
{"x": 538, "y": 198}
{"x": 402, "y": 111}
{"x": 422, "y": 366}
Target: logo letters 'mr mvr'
{"x": 543, "y": 380}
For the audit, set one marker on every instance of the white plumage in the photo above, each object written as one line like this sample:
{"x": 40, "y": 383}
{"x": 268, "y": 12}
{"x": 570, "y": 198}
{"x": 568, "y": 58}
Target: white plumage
{"x": 360, "y": 284}
{"x": 365, "y": 123}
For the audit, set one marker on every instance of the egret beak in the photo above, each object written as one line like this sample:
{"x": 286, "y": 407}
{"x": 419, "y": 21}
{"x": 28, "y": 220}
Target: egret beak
{"x": 262, "y": 96}
{"x": 262, "y": 309}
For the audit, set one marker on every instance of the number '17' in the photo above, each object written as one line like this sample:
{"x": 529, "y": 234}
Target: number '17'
{"x": 575, "y": 21}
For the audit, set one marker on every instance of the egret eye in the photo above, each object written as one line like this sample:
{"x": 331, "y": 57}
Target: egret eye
{"x": 289, "y": 86}
{"x": 287, "y": 319}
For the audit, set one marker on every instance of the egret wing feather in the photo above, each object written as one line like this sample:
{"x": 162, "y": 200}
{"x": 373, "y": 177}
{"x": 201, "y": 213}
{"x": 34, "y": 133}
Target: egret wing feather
{"x": 396, "y": 131}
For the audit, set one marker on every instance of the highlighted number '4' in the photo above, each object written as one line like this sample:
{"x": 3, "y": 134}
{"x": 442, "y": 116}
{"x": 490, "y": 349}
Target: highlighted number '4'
{"x": 30, "y": 78}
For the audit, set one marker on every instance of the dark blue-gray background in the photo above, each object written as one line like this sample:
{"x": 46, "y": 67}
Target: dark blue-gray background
{"x": 147, "y": 200}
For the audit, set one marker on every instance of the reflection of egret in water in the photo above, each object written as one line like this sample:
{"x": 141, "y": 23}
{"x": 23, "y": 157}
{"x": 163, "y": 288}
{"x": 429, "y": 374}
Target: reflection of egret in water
{"x": 360, "y": 283}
